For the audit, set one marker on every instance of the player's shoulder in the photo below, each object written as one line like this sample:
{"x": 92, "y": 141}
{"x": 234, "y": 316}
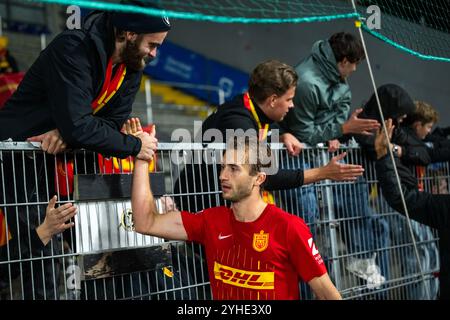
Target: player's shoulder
{"x": 284, "y": 216}
{"x": 216, "y": 211}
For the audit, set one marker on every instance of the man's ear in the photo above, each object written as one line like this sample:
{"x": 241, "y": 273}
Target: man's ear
{"x": 272, "y": 100}
{"x": 131, "y": 36}
{"x": 261, "y": 178}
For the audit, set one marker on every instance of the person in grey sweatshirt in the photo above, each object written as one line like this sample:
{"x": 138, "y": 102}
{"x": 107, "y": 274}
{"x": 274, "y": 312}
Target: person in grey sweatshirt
{"x": 322, "y": 97}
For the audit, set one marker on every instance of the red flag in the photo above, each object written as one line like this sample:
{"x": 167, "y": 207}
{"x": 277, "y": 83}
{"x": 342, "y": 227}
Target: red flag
{"x": 8, "y": 85}
{"x": 3, "y": 234}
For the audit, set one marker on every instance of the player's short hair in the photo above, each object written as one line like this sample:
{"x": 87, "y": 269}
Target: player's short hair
{"x": 254, "y": 154}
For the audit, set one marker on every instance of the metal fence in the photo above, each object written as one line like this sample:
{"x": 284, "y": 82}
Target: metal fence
{"x": 101, "y": 257}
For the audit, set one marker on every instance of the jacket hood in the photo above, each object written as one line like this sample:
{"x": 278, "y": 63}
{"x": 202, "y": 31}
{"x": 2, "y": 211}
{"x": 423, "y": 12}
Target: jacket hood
{"x": 394, "y": 100}
{"x": 100, "y": 29}
{"x": 326, "y": 61}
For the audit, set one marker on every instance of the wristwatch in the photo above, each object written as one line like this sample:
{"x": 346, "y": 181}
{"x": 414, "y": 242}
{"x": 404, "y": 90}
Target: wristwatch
{"x": 395, "y": 150}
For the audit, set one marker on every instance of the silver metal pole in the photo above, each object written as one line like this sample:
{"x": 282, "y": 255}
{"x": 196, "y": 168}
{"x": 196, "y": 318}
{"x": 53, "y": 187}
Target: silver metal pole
{"x": 148, "y": 101}
{"x": 43, "y": 41}
{"x": 328, "y": 201}
{"x": 372, "y": 78}
{"x": 221, "y": 94}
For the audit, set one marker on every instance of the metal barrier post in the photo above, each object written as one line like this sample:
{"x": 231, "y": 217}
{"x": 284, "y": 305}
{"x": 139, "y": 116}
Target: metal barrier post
{"x": 328, "y": 201}
{"x": 43, "y": 41}
{"x": 148, "y": 101}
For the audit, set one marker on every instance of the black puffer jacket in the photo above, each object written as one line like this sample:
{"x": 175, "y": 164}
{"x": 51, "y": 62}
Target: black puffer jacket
{"x": 430, "y": 209}
{"x": 417, "y": 152}
{"x": 58, "y": 89}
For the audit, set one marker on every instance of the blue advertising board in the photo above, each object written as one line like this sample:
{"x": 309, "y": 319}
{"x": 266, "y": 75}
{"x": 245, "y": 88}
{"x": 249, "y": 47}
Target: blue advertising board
{"x": 178, "y": 64}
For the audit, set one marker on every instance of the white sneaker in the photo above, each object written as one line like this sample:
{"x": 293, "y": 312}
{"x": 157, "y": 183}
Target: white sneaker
{"x": 368, "y": 270}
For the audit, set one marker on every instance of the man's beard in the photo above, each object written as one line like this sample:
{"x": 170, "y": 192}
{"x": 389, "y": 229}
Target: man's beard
{"x": 242, "y": 192}
{"x": 133, "y": 58}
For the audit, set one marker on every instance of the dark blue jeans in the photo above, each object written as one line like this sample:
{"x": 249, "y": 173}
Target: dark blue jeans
{"x": 363, "y": 230}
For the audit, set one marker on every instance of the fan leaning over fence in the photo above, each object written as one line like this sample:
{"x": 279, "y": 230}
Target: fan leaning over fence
{"x": 77, "y": 94}
{"x": 269, "y": 98}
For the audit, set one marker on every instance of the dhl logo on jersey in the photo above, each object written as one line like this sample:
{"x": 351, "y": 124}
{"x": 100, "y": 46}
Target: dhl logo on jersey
{"x": 244, "y": 278}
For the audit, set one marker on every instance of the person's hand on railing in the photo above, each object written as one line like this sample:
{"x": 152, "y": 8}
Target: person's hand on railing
{"x": 51, "y": 142}
{"x": 293, "y": 145}
{"x": 149, "y": 143}
{"x": 359, "y": 126}
{"x": 381, "y": 143}
{"x": 337, "y": 171}
{"x": 56, "y": 220}
{"x": 333, "y": 145}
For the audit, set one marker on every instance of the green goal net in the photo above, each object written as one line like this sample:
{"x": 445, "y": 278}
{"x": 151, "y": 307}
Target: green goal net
{"x": 419, "y": 27}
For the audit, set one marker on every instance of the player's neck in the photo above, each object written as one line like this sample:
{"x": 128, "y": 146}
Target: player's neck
{"x": 249, "y": 209}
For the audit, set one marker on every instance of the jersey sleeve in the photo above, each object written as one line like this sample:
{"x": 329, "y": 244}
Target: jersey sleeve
{"x": 194, "y": 224}
{"x": 303, "y": 252}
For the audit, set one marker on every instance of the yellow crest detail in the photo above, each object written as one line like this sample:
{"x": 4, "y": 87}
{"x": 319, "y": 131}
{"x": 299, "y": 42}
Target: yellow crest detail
{"x": 260, "y": 241}
{"x": 126, "y": 220}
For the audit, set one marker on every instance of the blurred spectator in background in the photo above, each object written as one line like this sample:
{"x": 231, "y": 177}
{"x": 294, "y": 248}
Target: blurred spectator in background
{"x": 7, "y": 62}
{"x": 412, "y": 148}
{"x": 10, "y": 76}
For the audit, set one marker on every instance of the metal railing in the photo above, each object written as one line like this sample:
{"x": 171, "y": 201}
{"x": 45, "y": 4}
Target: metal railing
{"x": 101, "y": 257}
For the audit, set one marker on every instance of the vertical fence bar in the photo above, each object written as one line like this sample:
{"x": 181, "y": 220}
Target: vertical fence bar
{"x": 327, "y": 195}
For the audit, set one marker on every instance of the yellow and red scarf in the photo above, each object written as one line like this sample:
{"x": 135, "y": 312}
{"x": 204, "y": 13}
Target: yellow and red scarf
{"x": 262, "y": 135}
{"x": 110, "y": 86}
{"x": 263, "y": 129}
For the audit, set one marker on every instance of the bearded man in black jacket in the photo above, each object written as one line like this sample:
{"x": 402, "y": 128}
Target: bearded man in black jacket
{"x": 78, "y": 94}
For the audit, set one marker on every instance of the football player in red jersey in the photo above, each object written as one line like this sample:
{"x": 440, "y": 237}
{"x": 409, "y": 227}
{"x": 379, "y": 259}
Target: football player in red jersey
{"x": 254, "y": 250}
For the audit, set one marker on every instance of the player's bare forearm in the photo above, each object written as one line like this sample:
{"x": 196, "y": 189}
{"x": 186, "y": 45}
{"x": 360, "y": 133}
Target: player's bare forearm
{"x": 324, "y": 289}
{"x": 142, "y": 201}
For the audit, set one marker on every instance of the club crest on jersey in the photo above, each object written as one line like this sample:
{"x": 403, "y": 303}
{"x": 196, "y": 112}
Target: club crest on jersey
{"x": 260, "y": 241}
